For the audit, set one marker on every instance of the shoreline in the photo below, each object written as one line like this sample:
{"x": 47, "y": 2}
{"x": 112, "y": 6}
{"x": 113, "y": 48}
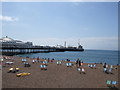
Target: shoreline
{"x": 56, "y": 76}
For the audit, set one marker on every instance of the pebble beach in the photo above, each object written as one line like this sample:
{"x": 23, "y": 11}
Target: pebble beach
{"x": 56, "y": 76}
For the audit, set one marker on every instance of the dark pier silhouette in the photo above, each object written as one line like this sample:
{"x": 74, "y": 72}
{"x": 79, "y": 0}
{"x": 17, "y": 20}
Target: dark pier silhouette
{"x": 9, "y": 46}
{"x": 22, "y": 50}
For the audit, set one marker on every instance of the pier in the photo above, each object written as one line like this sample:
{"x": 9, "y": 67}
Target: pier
{"x": 15, "y": 51}
{"x": 9, "y": 46}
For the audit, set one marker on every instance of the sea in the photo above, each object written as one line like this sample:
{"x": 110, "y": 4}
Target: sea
{"x": 87, "y": 56}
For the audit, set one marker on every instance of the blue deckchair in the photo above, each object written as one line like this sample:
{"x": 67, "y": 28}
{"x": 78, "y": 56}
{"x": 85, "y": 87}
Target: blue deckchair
{"x": 114, "y": 83}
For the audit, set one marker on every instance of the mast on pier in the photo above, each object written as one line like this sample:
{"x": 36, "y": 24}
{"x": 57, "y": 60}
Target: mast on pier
{"x": 65, "y": 44}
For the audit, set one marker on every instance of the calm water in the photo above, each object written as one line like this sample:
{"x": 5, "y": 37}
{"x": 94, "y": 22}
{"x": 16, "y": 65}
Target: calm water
{"x": 88, "y": 56}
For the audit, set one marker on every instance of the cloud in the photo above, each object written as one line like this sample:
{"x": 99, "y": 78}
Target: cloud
{"x": 60, "y": 0}
{"x": 8, "y": 18}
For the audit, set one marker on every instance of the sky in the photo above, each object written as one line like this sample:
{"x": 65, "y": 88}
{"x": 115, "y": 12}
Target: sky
{"x": 93, "y": 24}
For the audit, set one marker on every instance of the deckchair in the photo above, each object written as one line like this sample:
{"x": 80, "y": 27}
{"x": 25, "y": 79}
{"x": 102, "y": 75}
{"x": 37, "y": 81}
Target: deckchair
{"x": 13, "y": 70}
{"x": 83, "y": 71}
{"x": 9, "y": 63}
{"x": 91, "y": 66}
{"x": 110, "y": 70}
{"x": 68, "y": 64}
{"x": 108, "y": 82}
{"x": 111, "y": 66}
{"x": 111, "y": 84}
{"x": 59, "y": 62}
{"x": 94, "y": 66}
{"x": 43, "y": 67}
{"x": 79, "y": 70}
{"x": 114, "y": 83}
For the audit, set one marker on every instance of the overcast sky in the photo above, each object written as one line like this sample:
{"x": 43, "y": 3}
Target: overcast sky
{"x": 93, "y": 24}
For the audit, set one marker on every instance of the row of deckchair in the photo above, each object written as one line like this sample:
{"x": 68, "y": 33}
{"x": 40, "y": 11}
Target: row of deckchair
{"x": 111, "y": 84}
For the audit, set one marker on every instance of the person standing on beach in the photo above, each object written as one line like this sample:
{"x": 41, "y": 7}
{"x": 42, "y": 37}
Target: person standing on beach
{"x": 38, "y": 59}
{"x": 104, "y": 65}
{"x": 78, "y": 63}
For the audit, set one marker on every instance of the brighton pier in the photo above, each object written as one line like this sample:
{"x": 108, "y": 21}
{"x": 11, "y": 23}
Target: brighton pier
{"x": 9, "y": 46}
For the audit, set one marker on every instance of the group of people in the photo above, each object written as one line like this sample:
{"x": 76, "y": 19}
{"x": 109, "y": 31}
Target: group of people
{"x": 106, "y": 69}
{"x": 79, "y": 65}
